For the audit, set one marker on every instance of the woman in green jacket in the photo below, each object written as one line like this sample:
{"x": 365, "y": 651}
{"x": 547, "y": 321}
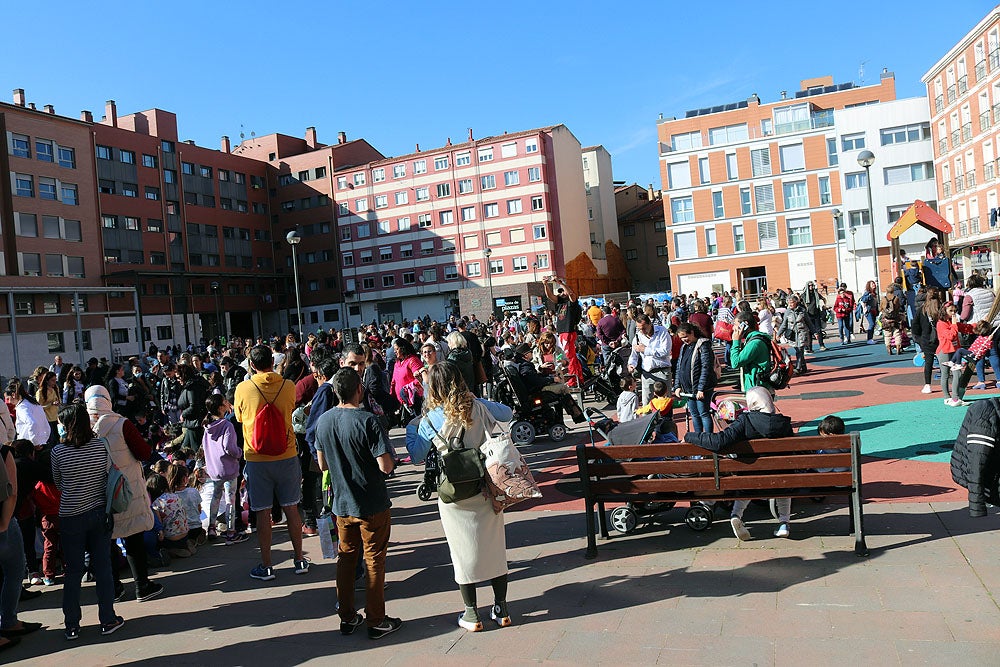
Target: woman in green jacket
{"x": 751, "y": 352}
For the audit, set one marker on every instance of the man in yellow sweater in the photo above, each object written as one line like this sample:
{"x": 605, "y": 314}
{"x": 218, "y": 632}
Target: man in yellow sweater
{"x": 269, "y": 476}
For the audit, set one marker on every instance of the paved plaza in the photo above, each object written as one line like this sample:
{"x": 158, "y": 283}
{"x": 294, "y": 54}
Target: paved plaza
{"x": 665, "y": 594}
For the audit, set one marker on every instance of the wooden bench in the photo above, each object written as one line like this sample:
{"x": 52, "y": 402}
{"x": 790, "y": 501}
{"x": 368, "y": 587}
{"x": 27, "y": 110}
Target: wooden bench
{"x": 770, "y": 468}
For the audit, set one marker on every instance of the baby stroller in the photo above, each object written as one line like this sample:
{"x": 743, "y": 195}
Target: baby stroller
{"x": 644, "y": 430}
{"x": 432, "y": 466}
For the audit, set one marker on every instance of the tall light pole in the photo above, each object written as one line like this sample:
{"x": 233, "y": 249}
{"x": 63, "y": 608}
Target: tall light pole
{"x": 866, "y": 159}
{"x": 218, "y": 312}
{"x": 534, "y": 272}
{"x": 294, "y": 238}
{"x": 854, "y": 253}
{"x": 837, "y": 217}
{"x": 489, "y": 277}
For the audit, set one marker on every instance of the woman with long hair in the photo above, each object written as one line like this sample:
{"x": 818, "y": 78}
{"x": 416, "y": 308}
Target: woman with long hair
{"x": 80, "y": 470}
{"x": 404, "y": 385}
{"x": 118, "y": 389}
{"x": 869, "y": 301}
{"x": 924, "y": 331}
{"x": 460, "y": 355}
{"x": 475, "y": 533}
{"x": 73, "y": 387}
{"x": 30, "y": 421}
{"x": 948, "y": 328}
{"x": 295, "y": 366}
{"x": 548, "y": 357}
{"x": 48, "y": 397}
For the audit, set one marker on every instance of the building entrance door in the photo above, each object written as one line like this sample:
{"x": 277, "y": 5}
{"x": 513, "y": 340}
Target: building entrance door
{"x": 753, "y": 281}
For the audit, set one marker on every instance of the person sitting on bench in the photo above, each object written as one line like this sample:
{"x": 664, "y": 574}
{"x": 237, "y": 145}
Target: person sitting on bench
{"x": 535, "y": 382}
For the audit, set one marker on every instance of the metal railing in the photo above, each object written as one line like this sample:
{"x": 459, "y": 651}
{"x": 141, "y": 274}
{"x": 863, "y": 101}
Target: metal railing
{"x": 988, "y": 172}
{"x": 974, "y": 225}
{"x": 967, "y": 132}
{"x": 959, "y": 184}
{"x": 963, "y": 84}
{"x": 956, "y": 138}
{"x": 980, "y": 71}
{"x": 994, "y": 59}
{"x": 952, "y": 93}
{"x": 942, "y": 145}
{"x": 984, "y": 121}
{"x": 970, "y": 179}
{"x": 939, "y": 104}
{"x": 946, "y": 187}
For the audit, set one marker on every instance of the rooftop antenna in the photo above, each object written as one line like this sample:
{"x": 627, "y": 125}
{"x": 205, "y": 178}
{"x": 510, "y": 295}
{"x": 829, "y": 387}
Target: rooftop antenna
{"x": 861, "y": 72}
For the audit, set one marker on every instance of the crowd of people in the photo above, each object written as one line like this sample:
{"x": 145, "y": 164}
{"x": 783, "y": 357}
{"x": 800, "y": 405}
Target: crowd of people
{"x": 223, "y": 442}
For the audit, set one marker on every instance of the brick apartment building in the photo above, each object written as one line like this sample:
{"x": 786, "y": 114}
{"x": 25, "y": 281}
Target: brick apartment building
{"x": 642, "y": 230}
{"x": 963, "y": 96}
{"x": 750, "y": 189}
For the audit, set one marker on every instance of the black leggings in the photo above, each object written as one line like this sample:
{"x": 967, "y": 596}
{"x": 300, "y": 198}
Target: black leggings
{"x": 499, "y": 585}
{"x": 928, "y": 362}
{"x": 136, "y": 555}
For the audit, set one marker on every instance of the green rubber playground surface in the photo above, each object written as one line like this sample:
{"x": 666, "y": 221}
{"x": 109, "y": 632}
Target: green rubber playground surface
{"x": 916, "y": 430}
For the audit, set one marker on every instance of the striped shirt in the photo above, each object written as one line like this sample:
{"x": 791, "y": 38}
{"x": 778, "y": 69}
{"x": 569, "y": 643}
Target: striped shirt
{"x": 82, "y": 476}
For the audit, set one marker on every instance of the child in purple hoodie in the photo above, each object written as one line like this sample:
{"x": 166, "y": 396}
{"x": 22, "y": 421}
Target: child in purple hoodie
{"x": 222, "y": 466}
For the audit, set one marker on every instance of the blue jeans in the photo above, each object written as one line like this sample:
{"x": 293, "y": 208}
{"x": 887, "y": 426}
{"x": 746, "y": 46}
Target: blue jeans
{"x": 845, "y": 325}
{"x": 12, "y": 568}
{"x": 994, "y": 364}
{"x": 701, "y": 419}
{"x": 87, "y": 533}
{"x": 870, "y": 329}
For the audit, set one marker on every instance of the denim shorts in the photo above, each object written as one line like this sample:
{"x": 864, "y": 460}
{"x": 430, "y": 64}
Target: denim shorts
{"x": 267, "y": 479}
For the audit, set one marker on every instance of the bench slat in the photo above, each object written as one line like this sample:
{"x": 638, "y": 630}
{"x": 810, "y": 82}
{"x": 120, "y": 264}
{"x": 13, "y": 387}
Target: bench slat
{"x": 619, "y": 452}
{"x": 788, "y": 462}
{"x": 674, "y": 485}
{"x": 603, "y": 470}
{"x": 783, "y": 481}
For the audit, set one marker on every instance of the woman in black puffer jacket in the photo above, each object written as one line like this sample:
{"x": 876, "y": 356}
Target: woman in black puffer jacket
{"x": 191, "y": 403}
{"x": 924, "y": 330}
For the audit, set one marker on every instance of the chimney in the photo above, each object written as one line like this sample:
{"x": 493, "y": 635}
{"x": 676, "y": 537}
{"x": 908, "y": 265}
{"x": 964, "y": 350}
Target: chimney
{"x": 449, "y": 142}
{"x": 784, "y": 94}
{"x": 753, "y": 99}
{"x": 311, "y": 137}
{"x": 649, "y": 192}
{"x": 19, "y": 97}
{"x": 86, "y": 116}
{"x": 31, "y": 105}
{"x": 470, "y": 134}
{"x": 50, "y": 109}
{"x": 111, "y": 113}
{"x": 189, "y": 141}
{"x": 226, "y": 148}
{"x": 341, "y": 137}
{"x": 418, "y": 148}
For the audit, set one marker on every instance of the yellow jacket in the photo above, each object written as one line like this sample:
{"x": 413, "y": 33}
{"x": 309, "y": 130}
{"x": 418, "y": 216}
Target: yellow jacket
{"x": 250, "y": 397}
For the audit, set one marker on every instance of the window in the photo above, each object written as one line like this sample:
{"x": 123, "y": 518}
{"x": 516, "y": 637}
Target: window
{"x": 487, "y": 182}
{"x": 894, "y": 175}
{"x": 321, "y": 173}
{"x": 465, "y": 186}
{"x": 686, "y": 141}
{"x": 732, "y": 170}
{"x": 711, "y": 247}
{"x": 858, "y": 179}
{"x": 359, "y": 178}
{"x": 513, "y": 206}
{"x": 409, "y": 278}
{"x": 767, "y": 233}
{"x": 402, "y": 197}
{"x": 67, "y": 158}
{"x": 224, "y": 174}
{"x": 739, "y": 241}
{"x": 745, "y": 206}
{"x": 69, "y": 194}
{"x": 368, "y": 283}
{"x": 519, "y": 263}
{"x": 154, "y": 225}
{"x": 50, "y": 227}
{"x": 685, "y": 245}
{"x": 424, "y": 220}
{"x": 473, "y": 270}
{"x": 470, "y": 242}
{"x": 126, "y": 157}
{"x": 20, "y": 146}
{"x": 132, "y": 223}
{"x": 494, "y": 239}
{"x": 43, "y": 150}
{"x": 793, "y": 118}
{"x": 399, "y": 171}
{"x": 420, "y": 166}
{"x": 446, "y": 217}
{"x": 682, "y": 209}
{"x": 799, "y": 232}
{"x": 760, "y": 162}
{"x": 824, "y": 191}
{"x": 905, "y": 133}
{"x": 764, "y": 196}
{"x": 534, "y": 174}
{"x": 486, "y": 154}
{"x": 852, "y": 142}
{"x": 56, "y": 342}
{"x": 389, "y": 281}
{"x": 444, "y": 190}
{"x": 429, "y": 276}
{"x": 468, "y": 213}
{"x": 792, "y": 158}
{"x": 72, "y": 230}
{"x": 403, "y": 224}
{"x": 631, "y": 254}
{"x": 341, "y": 182}
{"x": 378, "y": 175}
{"x": 360, "y": 205}
{"x": 796, "y": 195}
{"x": 440, "y": 163}
{"x": 531, "y": 146}
{"x": 450, "y": 272}
{"x": 24, "y": 305}
{"x": 427, "y": 247}
{"x": 347, "y": 259}
{"x": 537, "y": 203}
{"x": 169, "y": 176}
{"x": 496, "y": 266}
{"x": 24, "y": 185}
{"x": 728, "y": 134}
{"x": 132, "y": 190}
{"x": 718, "y": 210}
{"x": 381, "y": 201}
{"x": 678, "y": 175}
{"x": 225, "y": 203}
{"x": 491, "y": 210}
{"x": 542, "y": 261}
{"x": 423, "y": 194}
{"x": 47, "y": 188}
{"x": 384, "y": 226}
{"x": 103, "y": 152}
{"x": 508, "y": 150}
{"x": 517, "y": 235}
{"x": 538, "y": 232}
{"x": 187, "y": 168}
{"x": 364, "y": 230}
{"x": 54, "y": 265}
{"x": 366, "y": 257}
{"x": 704, "y": 174}
{"x": 463, "y": 159}
{"x": 406, "y": 250}
{"x": 157, "y": 258}
{"x": 447, "y": 246}
{"x": 511, "y": 178}
{"x": 154, "y": 194}
{"x": 149, "y": 160}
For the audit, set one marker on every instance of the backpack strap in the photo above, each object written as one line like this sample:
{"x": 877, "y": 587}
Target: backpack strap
{"x": 283, "y": 381}
{"x": 447, "y": 443}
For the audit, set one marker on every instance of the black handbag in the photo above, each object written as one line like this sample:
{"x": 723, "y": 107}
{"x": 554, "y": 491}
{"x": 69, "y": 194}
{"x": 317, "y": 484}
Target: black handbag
{"x": 462, "y": 469}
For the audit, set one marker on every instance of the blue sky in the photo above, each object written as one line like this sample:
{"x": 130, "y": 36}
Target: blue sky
{"x": 399, "y": 73}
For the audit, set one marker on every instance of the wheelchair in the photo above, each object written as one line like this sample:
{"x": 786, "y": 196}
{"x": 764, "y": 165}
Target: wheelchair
{"x": 533, "y": 413}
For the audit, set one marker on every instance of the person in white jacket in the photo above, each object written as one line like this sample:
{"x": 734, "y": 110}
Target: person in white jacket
{"x": 30, "y": 422}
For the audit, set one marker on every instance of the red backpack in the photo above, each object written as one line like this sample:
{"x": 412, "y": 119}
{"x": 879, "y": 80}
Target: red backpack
{"x": 270, "y": 433}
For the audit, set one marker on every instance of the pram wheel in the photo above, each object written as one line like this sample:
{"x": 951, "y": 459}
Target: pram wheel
{"x": 698, "y": 517}
{"x": 522, "y": 433}
{"x": 557, "y": 432}
{"x": 424, "y": 492}
{"x": 623, "y": 519}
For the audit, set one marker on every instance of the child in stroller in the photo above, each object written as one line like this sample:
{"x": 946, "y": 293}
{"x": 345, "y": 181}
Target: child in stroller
{"x": 431, "y": 460}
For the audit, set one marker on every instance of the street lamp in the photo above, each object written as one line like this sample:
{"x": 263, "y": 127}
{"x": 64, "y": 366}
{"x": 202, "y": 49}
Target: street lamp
{"x": 837, "y": 217}
{"x": 218, "y": 312}
{"x": 489, "y": 276}
{"x": 854, "y": 253}
{"x": 294, "y": 238}
{"x": 534, "y": 272}
{"x": 866, "y": 159}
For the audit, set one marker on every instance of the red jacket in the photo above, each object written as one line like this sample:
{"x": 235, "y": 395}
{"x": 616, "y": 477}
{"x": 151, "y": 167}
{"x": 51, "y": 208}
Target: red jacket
{"x": 47, "y": 497}
{"x": 844, "y": 305}
{"x": 947, "y": 333}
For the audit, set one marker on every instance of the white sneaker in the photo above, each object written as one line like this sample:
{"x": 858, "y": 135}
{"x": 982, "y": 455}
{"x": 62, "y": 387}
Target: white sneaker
{"x": 741, "y": 532}
{"x": 782, "y": 531}
{"x": 926, "y": 389}
{"x": 947, "y": 401}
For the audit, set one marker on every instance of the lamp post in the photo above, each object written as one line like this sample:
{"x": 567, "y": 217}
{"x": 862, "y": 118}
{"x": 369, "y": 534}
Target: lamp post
{"x": 294, "y": 238}
{"x": 489, "y": 276}
{"x": 837, "y": 217}
{"x": 866, "y": 159}
{"x": 854, "y": 253}
{"x": 218, "y": 311}
{"x": 534, "y": 272}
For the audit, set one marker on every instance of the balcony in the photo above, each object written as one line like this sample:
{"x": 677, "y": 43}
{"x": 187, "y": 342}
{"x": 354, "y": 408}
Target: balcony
{"x": 967, "y": 132}
{"x": 974, "y": 225}
{"x": 988, "y": 172}
{"x": 946, "y": 187}
{"x": 963, "y": 228}
{"x": 970, "y": 179}
{"x": 952, "y": 90}
{"x": 959, "y": 184}
{"x": 980, "y": 71}
{"x": 956, "y": 138}
{"x": 963, "y": 84}
{"x": 942, "y": 146}
{"x": 984, "y": 121}
{"x": 816, "y": 121}
{"x": 994, "y": 59}
{"x": 939, "y": 104}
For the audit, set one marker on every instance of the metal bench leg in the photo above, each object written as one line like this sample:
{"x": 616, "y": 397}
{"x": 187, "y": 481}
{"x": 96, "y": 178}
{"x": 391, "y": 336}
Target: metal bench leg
{"x": 602, "y": 520}
{"x": 860, "y": 548}
{"x": 591, "y": 539}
